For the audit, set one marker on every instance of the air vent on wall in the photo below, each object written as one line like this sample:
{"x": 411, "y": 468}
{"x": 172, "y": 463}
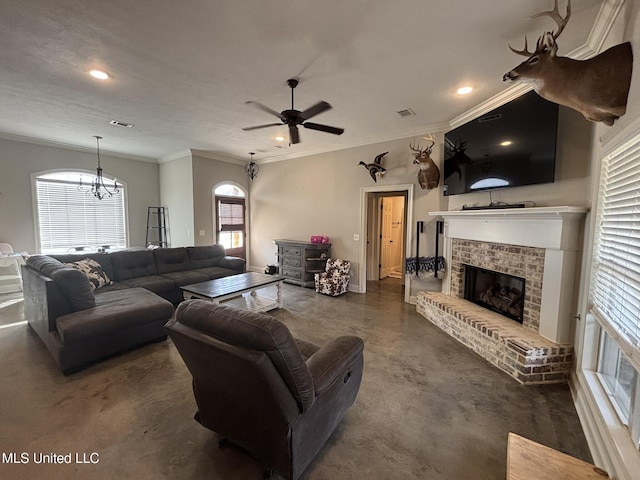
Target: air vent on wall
{"x": 490, "y": 118}
{"x": 121, "y": 124}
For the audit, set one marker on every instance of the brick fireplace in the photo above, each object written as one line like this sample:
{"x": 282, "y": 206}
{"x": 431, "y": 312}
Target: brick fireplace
{"x": 539, "y": 245}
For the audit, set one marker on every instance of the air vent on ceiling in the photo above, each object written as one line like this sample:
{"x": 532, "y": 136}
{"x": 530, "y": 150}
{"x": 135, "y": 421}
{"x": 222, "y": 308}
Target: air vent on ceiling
{"x": 490, "y": 118}
{"x": 407, "y": 112}
{"x": 121, "y": 124}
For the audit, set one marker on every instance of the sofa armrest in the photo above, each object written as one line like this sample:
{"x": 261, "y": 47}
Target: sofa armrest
{"x": 331, "y": 362}
{"x": 235, "y": 263}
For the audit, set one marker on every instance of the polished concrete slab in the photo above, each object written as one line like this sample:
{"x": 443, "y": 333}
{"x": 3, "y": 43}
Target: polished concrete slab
{"x": 428, "y": 408}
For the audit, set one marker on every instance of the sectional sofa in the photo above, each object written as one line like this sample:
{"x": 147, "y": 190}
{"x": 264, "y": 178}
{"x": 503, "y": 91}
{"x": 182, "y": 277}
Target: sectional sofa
{"x": 88, "y": 306}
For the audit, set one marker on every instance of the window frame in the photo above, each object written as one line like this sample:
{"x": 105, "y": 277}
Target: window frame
{"x": 90, "y": 174}
{"x": 234, "y": 200}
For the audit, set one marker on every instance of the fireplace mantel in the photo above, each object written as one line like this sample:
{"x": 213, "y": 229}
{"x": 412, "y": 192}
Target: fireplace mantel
{"x": 542, "y": 227}
{"x": 557, "y": 230}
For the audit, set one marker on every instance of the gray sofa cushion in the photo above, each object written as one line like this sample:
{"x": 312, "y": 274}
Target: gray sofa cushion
{"x": 155, "y": 283}
{"x": 171, "y": 260}
{"x": 216, "y": 272}
{"x": 205, "y": 256}
{"x": 254, "y": 331}
{"x": 113, "y": 312}
{"x": 133, "y": 264}
{"x": 44, "y": 264}
{"x": 187, "y": 277}
{"x": 75, "y": 286}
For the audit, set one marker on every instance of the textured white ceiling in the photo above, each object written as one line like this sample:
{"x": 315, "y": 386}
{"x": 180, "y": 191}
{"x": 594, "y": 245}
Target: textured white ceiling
{"x": 182, "y": 71}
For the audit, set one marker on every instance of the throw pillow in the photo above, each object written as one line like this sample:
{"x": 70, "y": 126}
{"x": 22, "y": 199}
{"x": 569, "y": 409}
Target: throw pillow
{"x": 93, "y": 270}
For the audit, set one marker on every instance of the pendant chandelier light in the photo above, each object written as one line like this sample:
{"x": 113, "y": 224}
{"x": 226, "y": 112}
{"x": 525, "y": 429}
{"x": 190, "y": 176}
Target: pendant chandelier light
{"x": 98, "y": 187}
{"x": 252, "y": 167}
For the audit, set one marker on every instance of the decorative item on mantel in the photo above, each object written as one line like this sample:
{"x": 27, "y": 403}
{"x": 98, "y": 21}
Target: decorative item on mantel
{"x": 98, "y": 187}
{"x": 375, "y": 169}
{"x": 429, "y": 174}
{"x": 577, "y": 84}
{"x": 252, "y": 168}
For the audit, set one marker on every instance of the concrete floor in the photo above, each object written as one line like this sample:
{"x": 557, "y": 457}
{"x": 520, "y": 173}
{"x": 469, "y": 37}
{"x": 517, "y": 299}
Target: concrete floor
{"x": 428, "y": 408}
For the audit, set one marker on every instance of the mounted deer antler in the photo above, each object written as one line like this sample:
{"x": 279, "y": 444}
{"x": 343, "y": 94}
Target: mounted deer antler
{"x": 598, "y": 87}
{"x": 429, "y": 174}
{"x": 560, "y": 21}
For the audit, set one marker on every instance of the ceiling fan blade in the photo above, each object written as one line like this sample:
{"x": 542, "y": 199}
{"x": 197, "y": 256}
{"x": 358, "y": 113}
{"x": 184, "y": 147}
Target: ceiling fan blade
{"x": 294, "y": 135}
{"x": 315, "y": 110}
{"x": 246, "y": 129}
{"x": 323, "y": 128}
{"x": 264, "y": 108}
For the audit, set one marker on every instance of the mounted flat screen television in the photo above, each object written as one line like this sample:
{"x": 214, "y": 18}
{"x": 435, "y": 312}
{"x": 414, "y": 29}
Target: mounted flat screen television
{"x": 513, "y": 145}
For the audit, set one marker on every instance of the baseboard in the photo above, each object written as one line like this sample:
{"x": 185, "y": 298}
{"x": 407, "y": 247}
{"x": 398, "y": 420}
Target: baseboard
{"x": 609, "y": 441}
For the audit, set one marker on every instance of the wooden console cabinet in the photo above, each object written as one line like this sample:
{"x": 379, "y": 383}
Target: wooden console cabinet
{"x": 298, "y": 260}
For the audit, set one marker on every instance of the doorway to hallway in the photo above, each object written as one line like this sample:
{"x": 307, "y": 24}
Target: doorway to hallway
{"x": 391, "y": 235}
{"x": 371, "y": 245}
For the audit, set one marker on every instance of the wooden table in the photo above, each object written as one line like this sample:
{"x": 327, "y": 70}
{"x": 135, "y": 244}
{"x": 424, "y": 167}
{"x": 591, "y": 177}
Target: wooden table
{"x": 528, "y": 460}
{"x": 239, "y": 291}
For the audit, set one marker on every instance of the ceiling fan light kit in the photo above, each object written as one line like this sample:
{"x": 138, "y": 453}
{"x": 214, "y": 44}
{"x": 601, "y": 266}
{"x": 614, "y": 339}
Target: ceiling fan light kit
{"x": 292, "y": 117}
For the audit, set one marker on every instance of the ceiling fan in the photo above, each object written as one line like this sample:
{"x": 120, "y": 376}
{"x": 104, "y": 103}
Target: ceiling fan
{"x": 294, "y": 117}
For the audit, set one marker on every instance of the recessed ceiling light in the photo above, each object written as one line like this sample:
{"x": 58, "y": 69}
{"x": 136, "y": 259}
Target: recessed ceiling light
{"x": 280, "y": 138}
{"x": 99, "y": 74}
{"x": 464, "y": 90}
{"x": 506, "y": 143}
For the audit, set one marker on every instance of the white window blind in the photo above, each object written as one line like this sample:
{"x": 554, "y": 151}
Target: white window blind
{"x": 68, "y": 217}
{"x": 616, "y": 283}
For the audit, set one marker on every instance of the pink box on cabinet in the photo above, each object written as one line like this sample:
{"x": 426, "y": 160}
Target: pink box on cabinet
{"x": 319, "y": 239}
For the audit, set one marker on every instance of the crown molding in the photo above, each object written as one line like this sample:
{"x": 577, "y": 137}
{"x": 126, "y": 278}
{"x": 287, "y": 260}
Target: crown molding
{"x": 75, "y": 148}
{"x": 175, "y": 156}
{"x": 219, "y": 157}
{"x": 602, "y": 25}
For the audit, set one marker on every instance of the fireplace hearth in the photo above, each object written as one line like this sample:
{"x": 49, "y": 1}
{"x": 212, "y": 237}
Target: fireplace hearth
{"x": 495, "y": 291}
{"x": 540, "y": 245}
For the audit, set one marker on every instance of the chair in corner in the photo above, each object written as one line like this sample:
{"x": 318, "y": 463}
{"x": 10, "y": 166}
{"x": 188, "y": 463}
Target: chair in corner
{"x": 259, "y": 388}
{"x": 334, "y": 280}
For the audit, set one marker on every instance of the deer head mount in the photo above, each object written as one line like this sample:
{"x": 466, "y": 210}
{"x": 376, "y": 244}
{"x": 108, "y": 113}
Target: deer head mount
{"x": 429, "y": 174}
{"x": 598, "y": 87}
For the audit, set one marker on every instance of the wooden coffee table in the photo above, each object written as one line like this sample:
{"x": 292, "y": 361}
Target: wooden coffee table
{"x": 231, "y": 290}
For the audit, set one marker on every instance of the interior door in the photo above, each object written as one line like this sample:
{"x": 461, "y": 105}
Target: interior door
{"x": 397, "y": 232}
{"x": 386, "y": 238}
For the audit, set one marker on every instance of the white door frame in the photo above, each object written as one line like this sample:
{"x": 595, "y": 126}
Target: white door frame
{"x": 362, "y": 260}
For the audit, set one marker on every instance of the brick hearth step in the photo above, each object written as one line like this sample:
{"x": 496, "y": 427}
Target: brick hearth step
{"x": 517, "y": 350}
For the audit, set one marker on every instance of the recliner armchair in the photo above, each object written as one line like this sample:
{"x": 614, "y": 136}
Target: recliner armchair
{"x": 278, "y": 397}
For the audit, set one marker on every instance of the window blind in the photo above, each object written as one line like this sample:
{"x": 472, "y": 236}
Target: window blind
{"x": 68, "y": 217}
{"x": 616, "y": 283}
{"x": 230, "y": 214}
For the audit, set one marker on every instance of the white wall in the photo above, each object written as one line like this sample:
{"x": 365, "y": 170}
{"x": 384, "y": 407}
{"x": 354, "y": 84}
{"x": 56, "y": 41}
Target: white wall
{"x": 19, "y": 160}
{"x": 320, "y": 195}
{"x": 176, "y": 191}
{"x": 208, "y": 174}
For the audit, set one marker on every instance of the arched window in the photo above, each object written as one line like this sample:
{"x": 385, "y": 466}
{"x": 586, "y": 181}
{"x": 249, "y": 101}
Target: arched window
{"x": 70, "y": 218}
{"x": 230, "y": 210}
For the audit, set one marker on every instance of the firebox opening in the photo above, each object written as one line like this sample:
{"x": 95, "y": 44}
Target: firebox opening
{"x": 496, "y": 291}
